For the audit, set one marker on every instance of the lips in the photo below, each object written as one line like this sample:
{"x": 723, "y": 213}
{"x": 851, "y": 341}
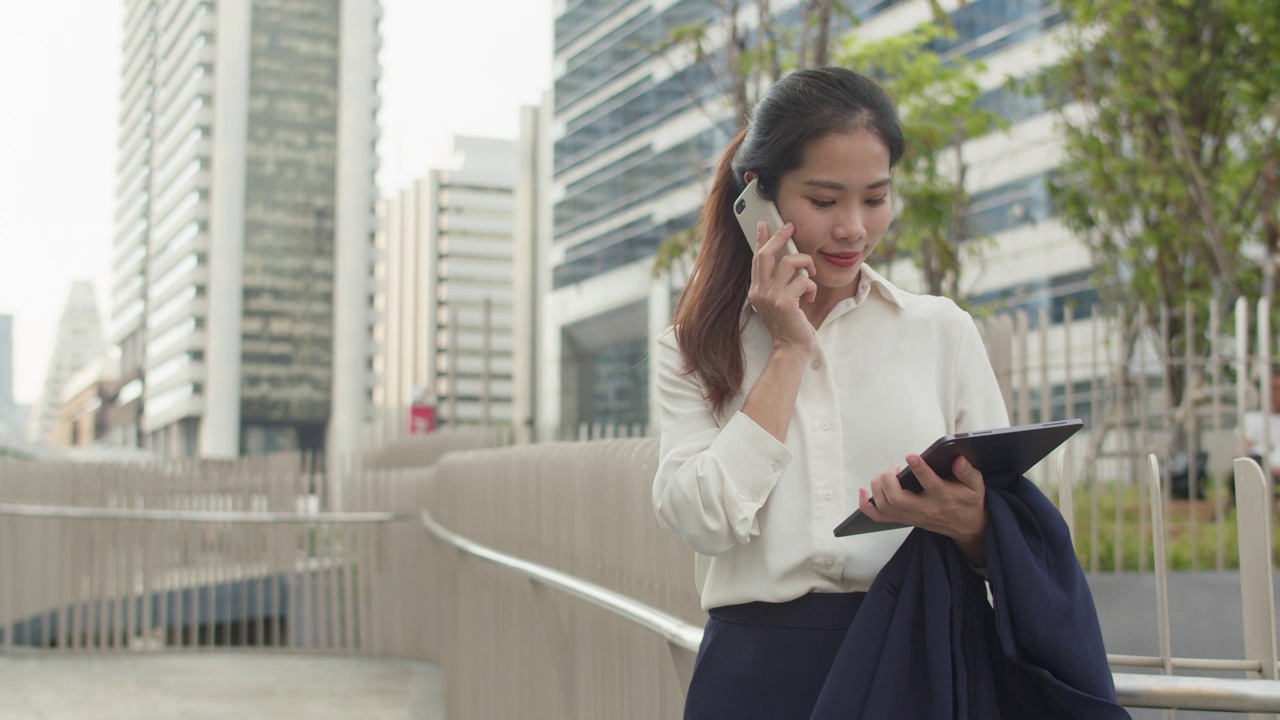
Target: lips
{"x": 842, "y": 260}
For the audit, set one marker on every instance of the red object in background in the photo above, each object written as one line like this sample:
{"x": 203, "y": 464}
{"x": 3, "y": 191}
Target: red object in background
{"x": 422, "y": 418}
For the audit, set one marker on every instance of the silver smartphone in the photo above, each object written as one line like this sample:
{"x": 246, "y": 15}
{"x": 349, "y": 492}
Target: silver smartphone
{"x": 750, "y": 208}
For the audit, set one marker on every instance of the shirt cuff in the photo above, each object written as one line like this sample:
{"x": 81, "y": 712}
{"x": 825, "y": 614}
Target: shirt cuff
{"x": 743, "y": 448}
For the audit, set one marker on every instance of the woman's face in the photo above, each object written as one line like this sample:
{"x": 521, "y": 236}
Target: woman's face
{"x": 839, "y": 202}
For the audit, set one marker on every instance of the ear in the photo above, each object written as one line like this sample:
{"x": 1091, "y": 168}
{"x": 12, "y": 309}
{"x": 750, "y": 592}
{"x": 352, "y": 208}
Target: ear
{"x": 749, "y": 176}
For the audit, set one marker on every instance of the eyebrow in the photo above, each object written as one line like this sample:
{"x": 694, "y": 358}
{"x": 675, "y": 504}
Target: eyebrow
{"x": 832, "y": 185}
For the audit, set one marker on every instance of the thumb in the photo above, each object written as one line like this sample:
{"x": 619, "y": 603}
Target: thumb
{"x": 966, "y": 473}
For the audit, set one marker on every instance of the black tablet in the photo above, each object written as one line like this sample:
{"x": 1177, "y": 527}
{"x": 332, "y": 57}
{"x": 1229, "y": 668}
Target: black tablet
{"x": 999, "y": 451}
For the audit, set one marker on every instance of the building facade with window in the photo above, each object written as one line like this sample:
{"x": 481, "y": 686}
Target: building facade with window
{"x": 445, "y": 299}
{"x": 245, "y": 219}
{"x": 636, "y": 136}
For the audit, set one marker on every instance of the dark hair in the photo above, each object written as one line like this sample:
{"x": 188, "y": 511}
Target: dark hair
{"x": 794, "y": 112}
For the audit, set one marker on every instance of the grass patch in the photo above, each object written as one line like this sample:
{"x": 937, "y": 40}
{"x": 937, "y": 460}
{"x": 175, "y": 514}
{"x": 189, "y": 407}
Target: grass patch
{"x": 1195, "y": 536}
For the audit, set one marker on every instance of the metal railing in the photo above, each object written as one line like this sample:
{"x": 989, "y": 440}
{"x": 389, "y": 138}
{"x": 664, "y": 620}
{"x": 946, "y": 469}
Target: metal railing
{"x": 156, "y": 559}
{"x": 1134, "y": 690}
{"x": 683, "y": 639}
{"x": 152, "y": 579}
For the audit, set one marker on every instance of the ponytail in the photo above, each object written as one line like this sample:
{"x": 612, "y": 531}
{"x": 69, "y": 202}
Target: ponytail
{"x": 708, "y": 314}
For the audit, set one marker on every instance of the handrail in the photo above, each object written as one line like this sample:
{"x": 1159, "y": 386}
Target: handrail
{"x": 670, "y": 627}
{"x": 1134, "y": 690}
{"x": 209, "y": 516}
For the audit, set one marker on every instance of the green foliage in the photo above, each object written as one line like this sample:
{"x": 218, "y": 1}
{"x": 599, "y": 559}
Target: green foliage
{"x": 678, "y": 247}
{"x": 936, "y": 100}
{"x": 1188, "y": 544}
{"x": 1171, "y": 154}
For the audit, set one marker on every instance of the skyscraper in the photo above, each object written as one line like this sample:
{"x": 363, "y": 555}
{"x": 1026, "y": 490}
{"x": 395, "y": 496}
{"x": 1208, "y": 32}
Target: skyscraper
{"x": 447, "y": 260}
{"x": 245, "y": 224}
{"x": 79, "y": 341}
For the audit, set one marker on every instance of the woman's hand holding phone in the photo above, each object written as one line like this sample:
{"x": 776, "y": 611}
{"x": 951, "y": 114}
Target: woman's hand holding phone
{"x": 778, "y": 284}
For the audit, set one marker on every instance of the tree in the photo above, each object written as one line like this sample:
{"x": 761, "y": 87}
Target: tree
{"x": 936, "y": 99}
{"x": 1169, "y": 114}
{"x": 743, "y": 60}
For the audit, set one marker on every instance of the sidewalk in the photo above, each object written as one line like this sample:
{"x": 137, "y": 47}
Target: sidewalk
{"x": 213, "y": 686}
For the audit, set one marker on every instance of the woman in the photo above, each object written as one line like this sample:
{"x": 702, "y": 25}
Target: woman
{"x": 789, "y": 397}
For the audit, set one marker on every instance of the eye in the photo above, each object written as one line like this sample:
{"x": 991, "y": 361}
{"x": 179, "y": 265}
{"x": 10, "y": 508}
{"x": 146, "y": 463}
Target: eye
{"x": 822, "y": 203}
{"x": 877, "y": 202}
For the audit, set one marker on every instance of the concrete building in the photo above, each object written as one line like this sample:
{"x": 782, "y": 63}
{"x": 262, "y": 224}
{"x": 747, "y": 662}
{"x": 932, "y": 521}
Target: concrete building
{"x": 79, "y": 342}
{"x": 445, "y": 291}
{"x": 242, "y": 258}
{"x": 532, "y": 276}
{"x": 86, "y": 404}
{"x": 635, "y": 139}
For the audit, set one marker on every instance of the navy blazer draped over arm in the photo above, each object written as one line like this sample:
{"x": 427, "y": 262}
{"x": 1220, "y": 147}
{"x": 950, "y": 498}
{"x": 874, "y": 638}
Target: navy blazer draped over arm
{"x": 926, "y": 642}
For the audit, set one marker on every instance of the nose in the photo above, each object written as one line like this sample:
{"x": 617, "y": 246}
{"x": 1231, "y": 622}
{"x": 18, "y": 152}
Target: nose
{"x": 852, "y": 224}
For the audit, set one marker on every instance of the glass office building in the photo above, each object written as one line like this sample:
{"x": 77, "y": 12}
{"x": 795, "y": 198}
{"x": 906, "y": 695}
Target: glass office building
{"x": 636, "y": 136}
{"x": 244, "y": 176}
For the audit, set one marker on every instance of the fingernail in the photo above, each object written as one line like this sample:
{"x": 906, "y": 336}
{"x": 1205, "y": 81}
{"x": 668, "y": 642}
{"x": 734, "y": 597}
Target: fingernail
{"x": 964, "y": 465}
{"x": 789, "y": 226}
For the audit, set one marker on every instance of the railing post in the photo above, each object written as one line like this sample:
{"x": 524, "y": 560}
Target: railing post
{"x": 1264, "y": 385}
{"x": 1066, "y": 494}
{"x": 1161, "y": 567}
{"x": 1253, "y": 508}
{"x": 559, "y": 646}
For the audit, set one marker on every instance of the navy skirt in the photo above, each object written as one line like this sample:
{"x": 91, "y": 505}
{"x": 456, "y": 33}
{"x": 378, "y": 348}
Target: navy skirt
{"x": 768, "y": 660}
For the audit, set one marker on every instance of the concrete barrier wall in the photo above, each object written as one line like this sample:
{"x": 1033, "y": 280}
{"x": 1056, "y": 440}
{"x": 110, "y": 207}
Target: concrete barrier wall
{"x": 513, "y": 649}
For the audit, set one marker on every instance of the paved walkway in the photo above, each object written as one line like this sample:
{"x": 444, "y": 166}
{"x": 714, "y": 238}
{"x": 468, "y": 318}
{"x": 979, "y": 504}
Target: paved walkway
{"x": 214, "y": 686}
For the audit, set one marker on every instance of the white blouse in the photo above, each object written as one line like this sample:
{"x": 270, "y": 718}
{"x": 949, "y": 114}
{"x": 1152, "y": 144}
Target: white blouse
{"x": 891, "y": 372}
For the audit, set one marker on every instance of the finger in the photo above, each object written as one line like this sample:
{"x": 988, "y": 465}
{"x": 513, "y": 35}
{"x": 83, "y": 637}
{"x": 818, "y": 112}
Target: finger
{"x": 797, "y": 267}
{"x": 779, "y": 239}
{"x": 929, "y": 479}
{"x": 867, "y": 504}
{"x": 802, "y": 287}
{"x": 886, "y": 490}
{"x": 797, "y": 263}
{"x": 967, "y": 474}
{"x": 758, "y": 266}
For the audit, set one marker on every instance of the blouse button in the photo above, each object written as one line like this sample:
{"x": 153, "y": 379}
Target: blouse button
{"x": 825, "y": 425}
{"x": 816, "y": 364}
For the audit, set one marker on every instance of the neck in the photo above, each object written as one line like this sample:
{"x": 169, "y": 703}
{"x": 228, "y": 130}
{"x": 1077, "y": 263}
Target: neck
{"x": 826, "y": 299}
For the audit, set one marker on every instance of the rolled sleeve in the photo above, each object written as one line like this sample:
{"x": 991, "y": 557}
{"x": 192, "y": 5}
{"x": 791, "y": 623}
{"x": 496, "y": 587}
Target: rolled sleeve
{"x": 979, "y": 402}
{"x": 711, "y": 481}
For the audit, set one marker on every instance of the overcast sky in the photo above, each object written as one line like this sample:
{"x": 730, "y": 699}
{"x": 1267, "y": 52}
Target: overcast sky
{"x": 448, "y": 68}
